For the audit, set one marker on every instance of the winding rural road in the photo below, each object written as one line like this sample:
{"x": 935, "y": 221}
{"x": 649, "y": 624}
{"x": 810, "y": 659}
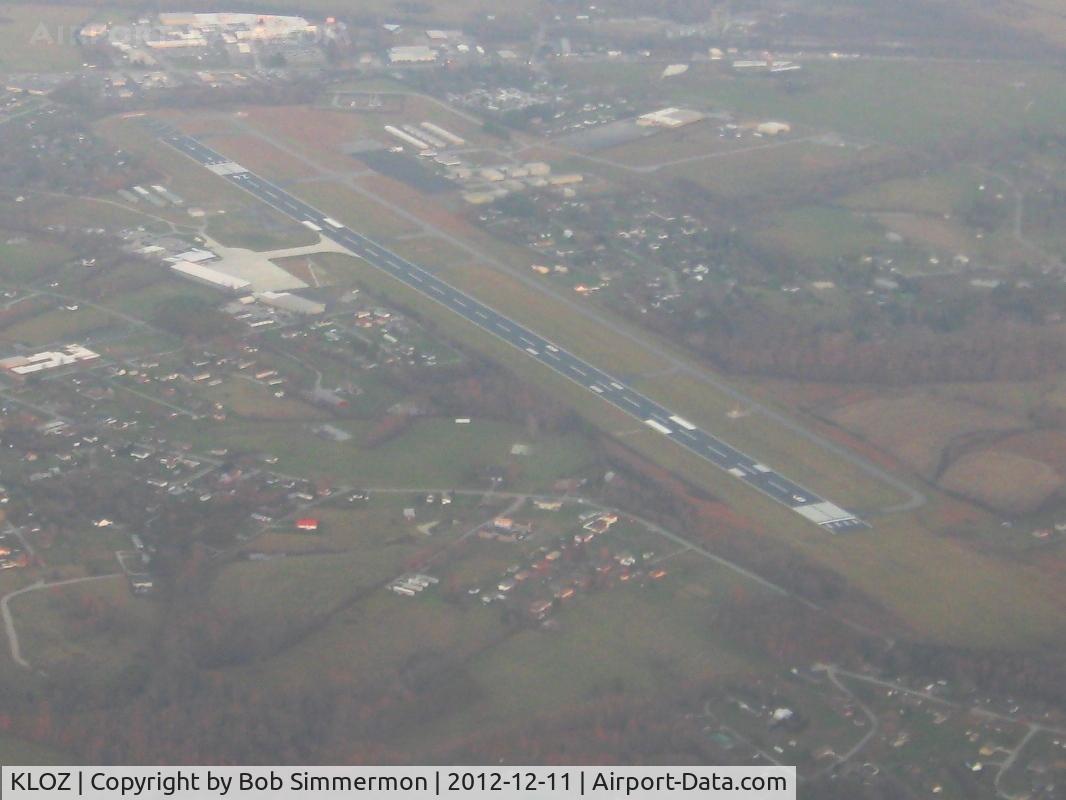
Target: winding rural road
{"x": 9, "y": 620}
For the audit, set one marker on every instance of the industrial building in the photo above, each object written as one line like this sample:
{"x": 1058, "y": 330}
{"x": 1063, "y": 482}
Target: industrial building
{"x": 404, "y": 136}
{"x": 211, "y": 277}
{"x": 445, "y": 134}
{"x": 565, "y": 180}
{"x": 195, "y": 256}
{"x": 412, "y": 54}
{"x": 293, "y": 303}
{"x": 670, "y": 118}
{"x": 238, "y": 25}
{"x": 773, "y": 128}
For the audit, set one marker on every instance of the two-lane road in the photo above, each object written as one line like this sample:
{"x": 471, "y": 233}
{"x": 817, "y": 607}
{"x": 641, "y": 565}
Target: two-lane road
{"x": 612, "y": 390}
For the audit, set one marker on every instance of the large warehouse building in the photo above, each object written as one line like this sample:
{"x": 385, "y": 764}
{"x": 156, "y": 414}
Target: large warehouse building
{"x": 211, "y": 277}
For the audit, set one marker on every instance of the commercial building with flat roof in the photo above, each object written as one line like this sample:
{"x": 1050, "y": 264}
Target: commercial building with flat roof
{"x": 292, "y": 303}
{"x": 211, "y": 277}
{"x": 670, "y": 118}
{"x": 413, "y": 54}
{"x": 24, "y": 366}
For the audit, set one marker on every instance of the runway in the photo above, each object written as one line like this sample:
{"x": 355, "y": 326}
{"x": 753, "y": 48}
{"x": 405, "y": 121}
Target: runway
{"x": 612, "y": 390}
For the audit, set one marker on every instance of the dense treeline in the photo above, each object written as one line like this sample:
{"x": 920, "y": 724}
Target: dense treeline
{"x": 961, "y": 338}
{"x": 1036, "y": 675}
{"x": 983, "y": 350}
{"x": 188, "y": 716}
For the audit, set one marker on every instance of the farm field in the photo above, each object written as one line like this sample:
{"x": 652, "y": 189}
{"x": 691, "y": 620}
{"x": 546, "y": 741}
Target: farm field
{"x": 973, "y": 440}
{"x": 56, "y": 327}
{"x": 431, "y": 453}
{"x": 945, "y": 590}
{"x": 898, "y": 104}
{"x": 1004, "y": 437}
{"x": 323, "y": 134}
{"x": 641, "y": 642}
{"x": 1003, "y": 480}
{"x": 143, "y": 303}
{"x": 105, "y": 212}
{"x": 22, "y": 260}
{"x": 256, "y": 601}
{"x": 820, "y": 235}
{"x": 930, "y": 211}
{"x": 376, "y": 525}
{"x": 934, "y": 194}
{"x": 103, "y": 305}
{"x": 251, "y": 400}
{"x": 97, "y": 628}
{"x": 691, "y": 141}
{"x": 39, "y": 36}
{"x": 787, "y": 165}
{"x": 917, "y": 430}
{"x": 654, "y": 634}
